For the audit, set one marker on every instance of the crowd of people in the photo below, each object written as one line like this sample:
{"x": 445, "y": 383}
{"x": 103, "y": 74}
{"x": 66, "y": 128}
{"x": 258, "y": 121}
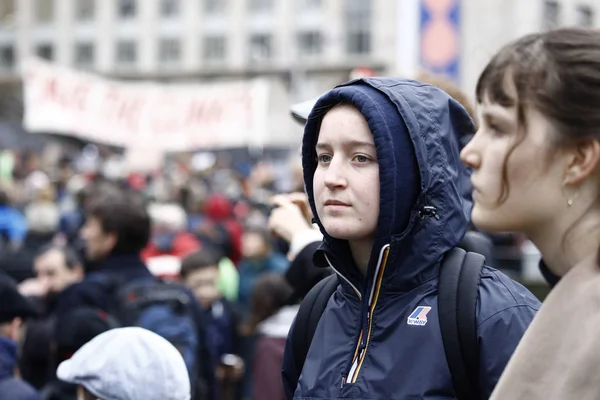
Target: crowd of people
{"x": 367, "y": 279}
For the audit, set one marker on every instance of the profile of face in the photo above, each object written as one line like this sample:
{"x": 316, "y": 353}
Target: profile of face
{"x": 98, "y": 244}
{"x": 53, "y": 273}
{"x": 346, "y": 180}
{"x": 204, "y": 284}
{"x": 15, "y": 330}
{"x": 518, "y": 172}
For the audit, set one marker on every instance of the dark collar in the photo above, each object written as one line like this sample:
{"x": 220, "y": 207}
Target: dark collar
{"x": 120, "y": 262}
{"x": 548, "y": 275}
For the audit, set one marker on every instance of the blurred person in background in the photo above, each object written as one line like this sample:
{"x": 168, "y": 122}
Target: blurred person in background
{"x": 14, "y": 310}
{"x": 117, "y": 229}
{"x": 218, "y": 227}
{"x": 42, "y": 217}
{"x": 258, "y": 258}
{"x": 200, "y": 272}
{"x": 127, "y": 364}
{"x": 56, "y": 268}
{"x": 169, "y": 239}
{"x": 72, "y": 216}
{"x": 72, "y": 331}
{"x": 269, "y": 322}
{"x": 13, "y": 226}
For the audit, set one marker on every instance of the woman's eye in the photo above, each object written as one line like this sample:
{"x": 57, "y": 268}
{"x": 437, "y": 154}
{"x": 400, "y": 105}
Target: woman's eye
{"x": 324, "y": 158}
{"x": 496, "y": 130}
{"x": 361, "y": 159}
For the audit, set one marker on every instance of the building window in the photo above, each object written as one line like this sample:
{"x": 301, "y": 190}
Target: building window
{"x": 126, "y": 52}
{"x": 7, "y": 12}
{"x": 551, "y": 15}
{"x": 7, "y": 57}
{"x": 215, "y": 6}
{"x": 358, "y": 27}
{"x": 310, "y": 43}
{"x": 585, "y": 16}
{"x": 127, "y": 9}
{"x": 215, "y": 48}
{"x": 44, "y": 10}
{"x": 359, "y": 42}
{"x": 169, "y": 51}
{"x": 261, "y": 47}
{"x": 45, "y": 51}
{"x": 310, "y": 4}
{"x": 85, "y": 9}
{"x": 261, "y": 5}
{"x": 84, "y": 55}
{"x": 169, "y": 8}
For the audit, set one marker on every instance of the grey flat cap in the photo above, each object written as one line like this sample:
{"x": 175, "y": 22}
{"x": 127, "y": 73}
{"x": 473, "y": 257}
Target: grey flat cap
{"x": 128, "y": 364}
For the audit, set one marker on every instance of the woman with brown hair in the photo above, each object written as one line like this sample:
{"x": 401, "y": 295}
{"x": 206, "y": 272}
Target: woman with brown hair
{"x": 536, "y": 170}
{"x": 270, "y": 320}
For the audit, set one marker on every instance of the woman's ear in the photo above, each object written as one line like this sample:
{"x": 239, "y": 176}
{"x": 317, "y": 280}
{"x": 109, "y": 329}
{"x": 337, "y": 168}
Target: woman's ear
{"x": 583, "y": 161}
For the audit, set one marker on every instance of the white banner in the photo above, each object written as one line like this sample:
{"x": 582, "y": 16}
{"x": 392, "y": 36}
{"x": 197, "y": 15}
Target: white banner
{"x": 175, "y": 117}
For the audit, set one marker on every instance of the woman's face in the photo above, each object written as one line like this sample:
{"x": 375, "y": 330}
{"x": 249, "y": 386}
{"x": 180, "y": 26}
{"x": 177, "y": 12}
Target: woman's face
{"x": 535, "y": 171}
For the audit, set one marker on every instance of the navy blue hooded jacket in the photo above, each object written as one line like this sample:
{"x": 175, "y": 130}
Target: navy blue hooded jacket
{"x": 365, "y": 346}
{"x": 10, "y": 387}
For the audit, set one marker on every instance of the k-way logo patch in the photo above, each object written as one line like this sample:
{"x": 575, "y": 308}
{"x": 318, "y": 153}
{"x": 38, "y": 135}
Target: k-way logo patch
{"x": 419, "y": 316}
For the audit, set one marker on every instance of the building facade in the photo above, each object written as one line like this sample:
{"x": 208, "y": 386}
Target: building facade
{"x": 310, "y": 44}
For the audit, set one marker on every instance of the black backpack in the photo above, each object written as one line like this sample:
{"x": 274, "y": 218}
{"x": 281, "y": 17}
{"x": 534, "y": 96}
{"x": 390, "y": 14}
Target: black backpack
{"x": 162, "y": 307}
{"x": 457, "y": 301}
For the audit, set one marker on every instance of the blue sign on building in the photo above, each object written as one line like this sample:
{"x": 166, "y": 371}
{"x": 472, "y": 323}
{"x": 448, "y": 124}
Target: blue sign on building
{"x": 440, "y": 37}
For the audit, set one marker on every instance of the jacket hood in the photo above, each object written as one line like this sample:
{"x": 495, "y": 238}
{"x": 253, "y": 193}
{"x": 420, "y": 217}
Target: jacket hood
{"x": 396, "y": 109}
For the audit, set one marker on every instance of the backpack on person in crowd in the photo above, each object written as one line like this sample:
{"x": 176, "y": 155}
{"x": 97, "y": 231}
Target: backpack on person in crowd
{"x": 162, "y": 307}
{"x": 457, "y": 303}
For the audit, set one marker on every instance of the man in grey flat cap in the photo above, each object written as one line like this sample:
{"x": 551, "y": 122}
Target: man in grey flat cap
{"x": 127, "y": 364}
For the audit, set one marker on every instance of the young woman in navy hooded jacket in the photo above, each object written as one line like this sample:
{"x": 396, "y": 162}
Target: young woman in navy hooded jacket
{"x": 391, "y": 197}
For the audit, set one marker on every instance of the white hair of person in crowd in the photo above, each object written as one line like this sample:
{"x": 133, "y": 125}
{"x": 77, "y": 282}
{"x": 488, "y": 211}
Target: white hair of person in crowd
{"x": 169, "y": 217}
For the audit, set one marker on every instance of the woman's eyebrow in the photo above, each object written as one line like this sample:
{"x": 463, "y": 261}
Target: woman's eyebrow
{"x": 346, "y": 143}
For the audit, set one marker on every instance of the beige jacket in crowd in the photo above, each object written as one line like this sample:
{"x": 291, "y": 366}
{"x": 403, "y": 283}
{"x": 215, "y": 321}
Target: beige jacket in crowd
{"x": 559, "y": 356}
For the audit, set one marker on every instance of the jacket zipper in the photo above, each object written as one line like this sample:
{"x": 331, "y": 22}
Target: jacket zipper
{"x": 343, "y": 277}
{"x": 363, "y": 340}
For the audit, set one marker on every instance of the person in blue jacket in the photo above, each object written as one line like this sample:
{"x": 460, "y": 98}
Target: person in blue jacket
{"x": 391, "y": 197}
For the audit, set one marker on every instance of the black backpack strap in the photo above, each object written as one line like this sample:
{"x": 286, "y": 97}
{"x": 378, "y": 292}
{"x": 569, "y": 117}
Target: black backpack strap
{"x": 308, "y": 317}
{"x": 457, "y": 304}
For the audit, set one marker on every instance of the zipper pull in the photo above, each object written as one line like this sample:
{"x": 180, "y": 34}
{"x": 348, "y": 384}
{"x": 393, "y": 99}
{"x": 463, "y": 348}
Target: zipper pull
{"x": 428, "y": 211}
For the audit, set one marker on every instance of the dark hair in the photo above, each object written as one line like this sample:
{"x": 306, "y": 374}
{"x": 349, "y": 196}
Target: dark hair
{"x": 122, "y": 212}
{"x": 558, "y": 74}
{"x": 262, "y": 232}
{"x": 270, "y": 293}
{"x": 204, "y": 258}
{"x": 72, "y": 260}
{"x": 4, "y": 198}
